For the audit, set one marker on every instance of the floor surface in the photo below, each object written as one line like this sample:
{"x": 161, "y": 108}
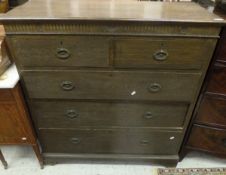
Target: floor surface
{"x": 22, "y": 161}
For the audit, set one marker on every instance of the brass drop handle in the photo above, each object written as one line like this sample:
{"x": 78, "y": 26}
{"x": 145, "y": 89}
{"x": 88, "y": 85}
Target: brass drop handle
{"x": 72, "y": 114}
{"x": 75, "y": 140}
{"x": 154, "y": 87}
{"x": 148, "y": 115}
{"x": 224, "y": 142}
{"x": 144, "y": 142}
{"x": 160, "y": 55}
{"x": 63, "y": 53}
{"x": 67, "y": 85}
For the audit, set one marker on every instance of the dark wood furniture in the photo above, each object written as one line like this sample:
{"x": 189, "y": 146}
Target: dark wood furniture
{"x": 207, "y": 130}
{"x": 107, "y": 83}
{"x": 15, "y": 124}
{"x": 3, "y": 160}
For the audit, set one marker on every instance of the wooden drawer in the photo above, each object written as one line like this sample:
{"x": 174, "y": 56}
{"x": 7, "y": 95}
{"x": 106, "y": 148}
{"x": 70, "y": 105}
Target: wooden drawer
{"x": 163, "y": 53}
{"x": 208, "y": 139}
{"x": 217, "y": 82}
{"x": 84, "y": 51}
{"x": 121, "y": 141}
{"x": 6, "y": 95}
{"x": 212, "y": 111}
{"x": 111, "y": 85}
{"x": 221, "y": 54}
{"x": 66, "y": 114}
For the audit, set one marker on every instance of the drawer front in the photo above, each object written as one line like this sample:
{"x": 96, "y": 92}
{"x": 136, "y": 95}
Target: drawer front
{"x": 111, "y": 85}
{"x": 84, "y": 51}
{"x": 217, "y": 83}
{"x": 208, "y": 139}
{"x": 122, "y": 141}
{"x": 6, "y": 95}
{"x": 67, "y": 114}
{"x": 221, "y": 54}
{"x": 212, "y": 111}
{"x": 168, "y": 53}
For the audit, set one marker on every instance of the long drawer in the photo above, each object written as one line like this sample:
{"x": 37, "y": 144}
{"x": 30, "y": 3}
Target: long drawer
{"x": 212, "y": 111}
{"x": 159, "y": 52}
{"x": 82, "y": 51}
{"x": 169, "y": 86}
{"x": 122, "y": 141}
{"x": 208, "y": 139}
{"x": 68, "y": 114}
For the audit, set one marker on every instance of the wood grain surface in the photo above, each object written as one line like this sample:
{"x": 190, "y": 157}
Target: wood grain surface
{"x": 111, "y": 10}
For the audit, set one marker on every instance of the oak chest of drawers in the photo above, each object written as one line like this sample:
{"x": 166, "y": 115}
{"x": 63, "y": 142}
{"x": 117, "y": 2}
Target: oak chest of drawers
{"x": 111, "y": 80}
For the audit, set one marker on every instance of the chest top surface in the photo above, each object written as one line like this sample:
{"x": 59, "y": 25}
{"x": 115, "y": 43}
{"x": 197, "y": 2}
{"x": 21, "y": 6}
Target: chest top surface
{"x": 115, "y": 10}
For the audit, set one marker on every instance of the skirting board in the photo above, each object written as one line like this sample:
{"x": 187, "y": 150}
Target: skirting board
{"x": 166, "y": 160}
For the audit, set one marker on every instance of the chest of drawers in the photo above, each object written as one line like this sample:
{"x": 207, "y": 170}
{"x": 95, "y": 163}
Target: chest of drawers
{"x": 207, "y": 131}
{"x": 111, "y": 84}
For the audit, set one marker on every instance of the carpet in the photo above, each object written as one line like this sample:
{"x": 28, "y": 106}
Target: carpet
{"x": 192, "y": 171}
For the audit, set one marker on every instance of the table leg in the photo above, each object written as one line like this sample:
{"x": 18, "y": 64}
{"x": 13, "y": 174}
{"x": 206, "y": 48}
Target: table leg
{"x": 3, "y": 160}
{"x": 38, "y": 155}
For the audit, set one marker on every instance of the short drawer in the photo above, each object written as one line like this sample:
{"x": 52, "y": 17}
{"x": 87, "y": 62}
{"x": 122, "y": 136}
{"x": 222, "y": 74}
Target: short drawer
{"x": 66, "y": 114}
{"x": 84, "y": 51}
{"x": 121, "y": 141}
{"x": 111, "y": 85}
{"x": 208, "y": 139}
{"x": 212, "y": 111}
{"x": 217, "y": 82}
{"x": 163, "y": 53}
